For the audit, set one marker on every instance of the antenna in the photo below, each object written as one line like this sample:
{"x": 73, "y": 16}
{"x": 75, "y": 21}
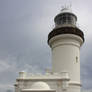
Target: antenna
{"x": 68, "y": 5}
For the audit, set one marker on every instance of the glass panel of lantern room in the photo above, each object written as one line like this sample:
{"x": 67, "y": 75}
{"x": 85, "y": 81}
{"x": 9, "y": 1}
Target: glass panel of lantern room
{"x": 64, "y": 19}
{"x": 69, "y": 19}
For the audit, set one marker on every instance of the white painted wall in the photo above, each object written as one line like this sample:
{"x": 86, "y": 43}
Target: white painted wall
{"x": 66, "y": 55}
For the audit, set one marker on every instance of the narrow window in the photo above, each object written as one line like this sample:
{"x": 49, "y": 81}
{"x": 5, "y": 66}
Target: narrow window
{"x": 76, "y": 59}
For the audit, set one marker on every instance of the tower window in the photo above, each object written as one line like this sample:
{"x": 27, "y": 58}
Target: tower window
{"x": 76, "y": 59}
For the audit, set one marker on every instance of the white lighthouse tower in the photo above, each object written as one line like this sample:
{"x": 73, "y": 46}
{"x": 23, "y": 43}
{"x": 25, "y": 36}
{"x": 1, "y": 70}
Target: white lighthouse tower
{"x": 65, "y": 41}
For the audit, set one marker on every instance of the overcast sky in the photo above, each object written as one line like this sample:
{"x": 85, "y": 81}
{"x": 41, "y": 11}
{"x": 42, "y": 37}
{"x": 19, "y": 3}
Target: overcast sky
{"x": 24, "y": 27}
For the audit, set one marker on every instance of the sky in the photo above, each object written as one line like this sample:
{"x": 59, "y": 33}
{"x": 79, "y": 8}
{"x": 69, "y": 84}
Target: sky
{"x": 24, "y": 29}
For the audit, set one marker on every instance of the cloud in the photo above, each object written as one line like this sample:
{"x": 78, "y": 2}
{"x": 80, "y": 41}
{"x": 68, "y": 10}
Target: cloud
{"x": 6, "y": 88}
{"x": 24, "y": 27}
{"x": 87, "y": 90}
{"x": 3, "y": 66}
{"x": 86, "y": 65}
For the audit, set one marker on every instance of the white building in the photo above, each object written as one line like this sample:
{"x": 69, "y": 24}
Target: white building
{"x": 65, "y": 41}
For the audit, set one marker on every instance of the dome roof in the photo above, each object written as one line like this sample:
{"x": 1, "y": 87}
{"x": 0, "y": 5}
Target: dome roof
{"x": 64, "y": 10}
{"x": 40, "y": 85}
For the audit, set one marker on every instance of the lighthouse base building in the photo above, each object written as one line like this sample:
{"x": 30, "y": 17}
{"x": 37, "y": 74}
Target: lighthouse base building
{"x": 65, "y": 41}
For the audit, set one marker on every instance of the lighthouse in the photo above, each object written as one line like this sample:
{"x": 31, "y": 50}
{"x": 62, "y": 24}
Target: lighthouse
{"x": 65, "y": 41}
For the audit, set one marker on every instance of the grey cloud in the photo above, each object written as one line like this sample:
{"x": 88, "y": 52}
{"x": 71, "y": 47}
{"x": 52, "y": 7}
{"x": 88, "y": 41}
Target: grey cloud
{"x": 86, "y": 57}
{"x": 24, "y": 27}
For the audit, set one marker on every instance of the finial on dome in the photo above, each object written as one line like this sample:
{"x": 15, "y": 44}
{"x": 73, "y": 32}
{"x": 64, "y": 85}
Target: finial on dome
{"x": 66, "y": 8}
{"x": 67, "y": 4}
